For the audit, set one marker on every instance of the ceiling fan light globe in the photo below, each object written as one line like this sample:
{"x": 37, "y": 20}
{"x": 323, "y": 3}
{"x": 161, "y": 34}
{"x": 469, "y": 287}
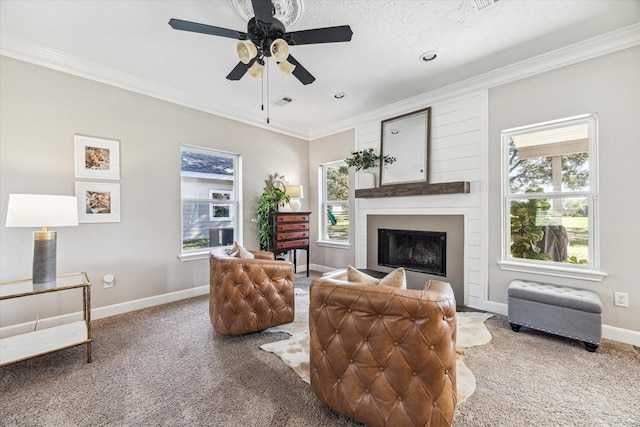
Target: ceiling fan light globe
{"x": 256, "y": 70}
{"x": 279, "y": 50}
{"x": 286, "y": 68}
{"x": 246, "y": 52}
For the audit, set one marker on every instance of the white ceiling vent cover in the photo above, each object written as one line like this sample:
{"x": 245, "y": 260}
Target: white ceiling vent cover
{"x": 285, "y": 100}
{"x": 482, "y": 4}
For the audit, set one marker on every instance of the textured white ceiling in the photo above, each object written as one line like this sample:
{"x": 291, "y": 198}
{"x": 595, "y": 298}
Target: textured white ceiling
{"x": 378, "y": 67}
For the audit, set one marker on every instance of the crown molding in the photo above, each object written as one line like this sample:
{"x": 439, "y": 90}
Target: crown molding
{"x": 585, "y": 50}
{"x": 611, "y": 42}
{"x": 17, "y": 48}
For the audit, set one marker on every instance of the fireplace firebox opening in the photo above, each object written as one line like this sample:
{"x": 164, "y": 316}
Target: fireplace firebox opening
{"x": 421, "y": 251}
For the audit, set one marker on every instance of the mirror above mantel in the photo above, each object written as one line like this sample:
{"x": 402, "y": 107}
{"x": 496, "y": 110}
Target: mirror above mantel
{"x": 406, "y": 138}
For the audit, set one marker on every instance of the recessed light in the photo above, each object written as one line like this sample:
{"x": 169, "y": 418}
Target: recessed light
{"x": 429, "y": 55}
{"x": 394, "y": 131}
{"x": 339, "y": 95}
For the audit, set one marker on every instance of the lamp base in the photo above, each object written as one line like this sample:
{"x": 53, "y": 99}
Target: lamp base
{"x": 44, "y": 257}
{"x": 295, "y": 205}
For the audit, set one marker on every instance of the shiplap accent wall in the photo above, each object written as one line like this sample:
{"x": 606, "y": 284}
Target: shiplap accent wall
{"x": 458, "y": 153}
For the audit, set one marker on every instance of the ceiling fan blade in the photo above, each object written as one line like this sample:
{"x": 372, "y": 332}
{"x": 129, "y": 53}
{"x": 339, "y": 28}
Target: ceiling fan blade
{"x": 178, "y": 24}
{"x": 240, "y": 70}
{"x": 300, "y": 72}
{"x": 341, "y": 33}
{"x": 263, "y": 11}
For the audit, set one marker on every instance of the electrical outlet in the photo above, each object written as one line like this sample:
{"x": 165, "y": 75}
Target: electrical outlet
{"x": 108, "y": 280}
{"x": 621, "y": 299}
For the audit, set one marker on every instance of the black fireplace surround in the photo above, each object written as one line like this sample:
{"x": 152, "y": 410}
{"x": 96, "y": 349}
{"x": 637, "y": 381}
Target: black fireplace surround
{"x": 421, "y": 251}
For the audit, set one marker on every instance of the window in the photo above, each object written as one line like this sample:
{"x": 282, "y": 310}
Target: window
{"x": 209, "y": 194}
{"x": 334, "y": 223}
{"x": 550, "y": 198}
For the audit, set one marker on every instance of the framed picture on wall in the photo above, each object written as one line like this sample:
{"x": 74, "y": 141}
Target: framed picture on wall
{"x": 98, "y": 202}
{"x": 97, "y": 158}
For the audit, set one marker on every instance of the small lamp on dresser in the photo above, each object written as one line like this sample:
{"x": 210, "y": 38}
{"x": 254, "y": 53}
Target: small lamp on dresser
{"x": 40, "y": 210}
{"x": 295, "y": 192}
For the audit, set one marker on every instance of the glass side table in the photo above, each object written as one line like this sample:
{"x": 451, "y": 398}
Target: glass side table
{"x": 42, "y": 341}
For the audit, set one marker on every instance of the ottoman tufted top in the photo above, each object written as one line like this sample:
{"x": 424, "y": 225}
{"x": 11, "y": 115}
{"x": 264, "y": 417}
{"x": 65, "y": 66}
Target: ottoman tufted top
{"x": 561, "y": 296}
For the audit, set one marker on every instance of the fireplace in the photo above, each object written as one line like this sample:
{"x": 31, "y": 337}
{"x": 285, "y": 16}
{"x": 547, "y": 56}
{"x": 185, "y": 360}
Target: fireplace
{"x": 451, "y": 226}
{"x": 415, "y": 250}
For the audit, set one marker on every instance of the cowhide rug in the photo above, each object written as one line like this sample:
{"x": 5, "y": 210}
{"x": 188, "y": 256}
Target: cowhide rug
{"x": 295, "y": 350}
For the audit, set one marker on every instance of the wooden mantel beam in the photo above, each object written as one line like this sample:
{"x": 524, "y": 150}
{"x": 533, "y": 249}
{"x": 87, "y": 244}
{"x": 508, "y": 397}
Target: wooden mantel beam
{"x": 414, "y": 189}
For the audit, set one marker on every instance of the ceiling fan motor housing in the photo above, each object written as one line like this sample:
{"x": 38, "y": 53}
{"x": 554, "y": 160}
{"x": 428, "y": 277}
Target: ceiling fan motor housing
{"x": 262, "y": 35}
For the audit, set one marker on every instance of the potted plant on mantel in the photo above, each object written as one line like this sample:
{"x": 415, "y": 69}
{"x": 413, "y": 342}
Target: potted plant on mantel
{"x": 363, "y": 161}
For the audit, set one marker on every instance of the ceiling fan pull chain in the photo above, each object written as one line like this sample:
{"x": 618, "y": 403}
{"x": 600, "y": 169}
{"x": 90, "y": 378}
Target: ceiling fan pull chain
{"x": 267, "y": 67}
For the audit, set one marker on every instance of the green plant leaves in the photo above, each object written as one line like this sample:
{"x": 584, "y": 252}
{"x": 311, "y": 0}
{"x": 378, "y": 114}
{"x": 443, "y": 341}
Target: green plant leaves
{"x": 366, "y": 159}
{"x": 270, "y": 199}
{"x": 525, "y": 234}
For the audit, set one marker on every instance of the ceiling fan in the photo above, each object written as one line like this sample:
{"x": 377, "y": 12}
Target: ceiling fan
{"x": 268, "y": 37}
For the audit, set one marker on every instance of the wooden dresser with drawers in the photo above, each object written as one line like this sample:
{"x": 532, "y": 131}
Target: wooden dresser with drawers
{"x": 289, "y": 231}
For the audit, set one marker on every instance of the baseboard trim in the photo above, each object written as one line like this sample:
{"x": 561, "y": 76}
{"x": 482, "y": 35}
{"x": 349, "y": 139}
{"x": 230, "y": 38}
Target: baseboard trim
{"x": 321, "y": 268}
{"x": 609, "y": 332}
{"x": 623, "y": 335}
{"x": 494, "y": 307}
{"x": 139, "y": 304}
{"x": 103, "y": 312}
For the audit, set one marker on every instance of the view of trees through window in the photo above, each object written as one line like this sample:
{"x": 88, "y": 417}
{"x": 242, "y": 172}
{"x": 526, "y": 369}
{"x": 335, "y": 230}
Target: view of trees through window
{"x": 525, "y": 174}
{"x": 336, "y": 201}
{"x": 549, "y": 194}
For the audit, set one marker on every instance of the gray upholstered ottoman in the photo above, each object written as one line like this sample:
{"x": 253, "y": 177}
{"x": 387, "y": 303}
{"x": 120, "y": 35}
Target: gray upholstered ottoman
{"x": 560, "y": 310}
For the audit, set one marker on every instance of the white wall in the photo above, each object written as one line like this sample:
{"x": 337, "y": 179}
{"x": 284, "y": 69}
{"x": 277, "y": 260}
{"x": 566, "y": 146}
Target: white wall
{"x": 458, "y": 144}
{"x": 610, "y": 86}
{"x": 41, "y": 110}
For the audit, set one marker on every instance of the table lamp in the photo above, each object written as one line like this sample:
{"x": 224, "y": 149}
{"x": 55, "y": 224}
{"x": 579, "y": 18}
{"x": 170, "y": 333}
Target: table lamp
{"x": 294, "y": 191}
{"x": 39, "y": 210}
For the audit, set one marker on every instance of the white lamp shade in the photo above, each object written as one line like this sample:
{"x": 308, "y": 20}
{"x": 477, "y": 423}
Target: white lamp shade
{"x": 256, "y": 70}
{"x": 246, "y": 52}
{"x": 286, "y": 68}
{"x": 279, "y": 50}
{"x": 40, "y": 210}
{"x": 295, "y": 191}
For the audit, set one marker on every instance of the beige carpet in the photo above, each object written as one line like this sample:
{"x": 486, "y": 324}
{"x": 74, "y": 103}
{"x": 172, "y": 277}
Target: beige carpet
{"x": 166, "y": 366}
{"x": 294, "y": 351}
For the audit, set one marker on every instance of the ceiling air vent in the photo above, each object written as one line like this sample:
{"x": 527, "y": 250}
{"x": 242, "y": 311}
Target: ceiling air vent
{"x": 285, "y": 100}
{"x": 482, "y": 4}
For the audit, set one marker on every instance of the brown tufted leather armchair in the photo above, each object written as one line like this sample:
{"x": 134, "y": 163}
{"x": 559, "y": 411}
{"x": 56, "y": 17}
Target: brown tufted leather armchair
{"x": 384, "y": 356}
{"x": 249, "y": 295}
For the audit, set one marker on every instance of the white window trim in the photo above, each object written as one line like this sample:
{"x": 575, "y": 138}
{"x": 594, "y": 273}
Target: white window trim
{"x": 591, "y": 273}
{"x": 194, "y": 256}
{"x": 334, "y": 244}
{"x": 553, "y": 270}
